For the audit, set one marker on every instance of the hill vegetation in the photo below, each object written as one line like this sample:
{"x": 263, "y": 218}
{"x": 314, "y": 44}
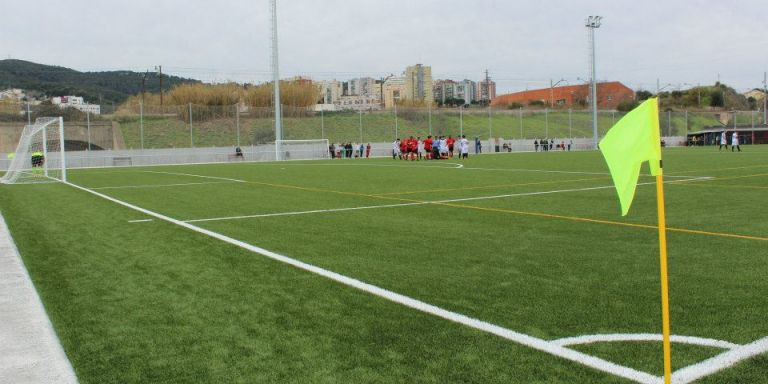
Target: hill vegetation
{"x": 94, "y": 87}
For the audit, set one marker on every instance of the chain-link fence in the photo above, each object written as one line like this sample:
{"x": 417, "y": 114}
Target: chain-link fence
{"x": 196, "y": 126}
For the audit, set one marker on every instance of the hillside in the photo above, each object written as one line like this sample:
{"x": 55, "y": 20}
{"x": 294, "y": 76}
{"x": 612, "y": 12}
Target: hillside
{"x": 95, "y": 87}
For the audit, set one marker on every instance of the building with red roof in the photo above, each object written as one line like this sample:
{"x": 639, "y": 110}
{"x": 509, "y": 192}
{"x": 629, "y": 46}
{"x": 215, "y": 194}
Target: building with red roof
{"x": 609, "y": 95}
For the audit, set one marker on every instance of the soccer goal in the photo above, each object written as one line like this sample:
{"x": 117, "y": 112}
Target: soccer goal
{"x": 302, "y": 149}
{"x": 39, "y": 157}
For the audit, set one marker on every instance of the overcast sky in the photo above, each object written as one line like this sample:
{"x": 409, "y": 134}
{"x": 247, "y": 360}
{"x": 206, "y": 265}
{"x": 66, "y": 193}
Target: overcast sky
{"x": 523, "y": 43}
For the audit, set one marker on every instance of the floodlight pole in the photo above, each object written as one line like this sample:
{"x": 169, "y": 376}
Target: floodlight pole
{"x": 592, "y": 23}
{"x": 276, "y": 79}
{"x": 765, "y": 99}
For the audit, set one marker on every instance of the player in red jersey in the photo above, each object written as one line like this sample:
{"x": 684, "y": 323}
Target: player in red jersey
{"x": 411, "y": 147}
{"x": 450, "y": 142}
{"x": 428, "y": 147}
{"x": 404, "y": 149}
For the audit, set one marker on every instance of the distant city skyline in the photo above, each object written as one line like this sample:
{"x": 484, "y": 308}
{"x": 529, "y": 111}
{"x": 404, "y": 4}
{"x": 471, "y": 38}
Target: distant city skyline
{"x": 523, "y": 45}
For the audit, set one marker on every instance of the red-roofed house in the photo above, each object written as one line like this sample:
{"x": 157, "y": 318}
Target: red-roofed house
{"x": 609, "y": 95}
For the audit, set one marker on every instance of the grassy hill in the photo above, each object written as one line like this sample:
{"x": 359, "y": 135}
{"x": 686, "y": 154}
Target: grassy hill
{"x": 171, "y": 131}
{"x": 95, "y": 87}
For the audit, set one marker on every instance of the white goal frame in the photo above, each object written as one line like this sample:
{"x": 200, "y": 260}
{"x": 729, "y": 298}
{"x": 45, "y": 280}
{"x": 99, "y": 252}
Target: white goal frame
{"x": 21, "y": 164}
{"x": 314, "y": 149}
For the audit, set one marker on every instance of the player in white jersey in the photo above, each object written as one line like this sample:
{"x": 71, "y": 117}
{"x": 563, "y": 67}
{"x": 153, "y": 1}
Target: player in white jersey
{"x": 395, "y": 149}
{"x": 735, "y": 141}
{"x": 463, "y": 147}
{"x": 420, "y": 147}
{"x": 723, "y": 140}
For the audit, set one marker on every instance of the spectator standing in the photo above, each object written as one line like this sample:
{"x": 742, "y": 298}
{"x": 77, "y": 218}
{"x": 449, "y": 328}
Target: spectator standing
{"x": 368, "y": 150}
{"x": 536, "y": 145}
{"x": 478, "y": 145}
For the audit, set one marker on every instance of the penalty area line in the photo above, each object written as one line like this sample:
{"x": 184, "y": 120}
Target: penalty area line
{"x": 194, "y": 175}
{"x": 158, "y": 185}
{"x": 520, "y": 338}
{"x": 404, "y": 204}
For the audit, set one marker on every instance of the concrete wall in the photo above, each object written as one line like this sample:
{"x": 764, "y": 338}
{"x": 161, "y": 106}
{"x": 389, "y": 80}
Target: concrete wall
{"x": 266, "y": 152}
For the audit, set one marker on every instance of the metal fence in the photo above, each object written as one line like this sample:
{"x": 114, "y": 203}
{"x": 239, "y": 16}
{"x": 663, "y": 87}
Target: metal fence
{"x": 197, "y": 126}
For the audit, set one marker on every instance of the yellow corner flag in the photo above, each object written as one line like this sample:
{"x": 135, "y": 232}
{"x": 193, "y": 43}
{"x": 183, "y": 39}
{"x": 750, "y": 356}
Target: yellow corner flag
{"x": 633, "y": 140}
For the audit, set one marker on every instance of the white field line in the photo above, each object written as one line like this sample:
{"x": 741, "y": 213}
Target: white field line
{"x": 455, "y": 165}
{"x": 294, "y": 213}
{"x": 159, "y": 185}
{"x": 200, "y": 176}
{"x": 565, "y": 172}
{"x": 140, "y": 221}
{"x": 302, "y": 212}
{"x": 461, "y": 166}
{"x": 30, "y": 351}
{"x": 588, "y": 339}
{"x": 530, "y": 341}
{"x": 720, "y": 362}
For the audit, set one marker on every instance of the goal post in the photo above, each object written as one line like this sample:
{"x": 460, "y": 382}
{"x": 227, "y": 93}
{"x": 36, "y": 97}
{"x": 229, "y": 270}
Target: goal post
{"x": 39, "y": 156}
{"x": 315, "y": 149}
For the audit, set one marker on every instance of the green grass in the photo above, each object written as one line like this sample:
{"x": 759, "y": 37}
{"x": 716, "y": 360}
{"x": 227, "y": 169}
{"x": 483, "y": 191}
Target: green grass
{"x": 153, "y": 302}
{"x": 166, "y": 132}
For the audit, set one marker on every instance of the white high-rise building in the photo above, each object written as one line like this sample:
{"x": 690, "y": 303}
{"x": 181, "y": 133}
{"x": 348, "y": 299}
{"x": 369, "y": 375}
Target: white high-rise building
{"x": 363, "y": 86}
{"x": 418, "y": 83}
{"x": 330, "y": 90}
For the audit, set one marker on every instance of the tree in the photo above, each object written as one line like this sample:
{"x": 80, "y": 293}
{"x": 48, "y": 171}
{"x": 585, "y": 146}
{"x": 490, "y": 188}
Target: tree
{"x": 716, "y": 98}
{"x": 626, "y": 106}
{"x": 643, "y": 95}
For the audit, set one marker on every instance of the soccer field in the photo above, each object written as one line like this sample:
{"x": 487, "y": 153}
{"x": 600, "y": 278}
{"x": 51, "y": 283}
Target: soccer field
{"x": 504, "y": 268}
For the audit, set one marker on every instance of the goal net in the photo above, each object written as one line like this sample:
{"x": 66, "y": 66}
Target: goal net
{"x": 302, "y": 149}
{"x": 39, "y": 157}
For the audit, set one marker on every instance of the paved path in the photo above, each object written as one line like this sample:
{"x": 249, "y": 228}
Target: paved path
{"x": 29, "y": 349}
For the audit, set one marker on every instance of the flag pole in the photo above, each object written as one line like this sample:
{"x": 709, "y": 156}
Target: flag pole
{"x": 664, "y": 275}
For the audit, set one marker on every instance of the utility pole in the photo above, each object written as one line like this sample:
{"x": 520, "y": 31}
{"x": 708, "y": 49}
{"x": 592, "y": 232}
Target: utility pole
{"x": 143, "y": 81}
{"x": 487, "y": 87}
{"x": 159, "y": 69}
{"x": 381, "y": 88}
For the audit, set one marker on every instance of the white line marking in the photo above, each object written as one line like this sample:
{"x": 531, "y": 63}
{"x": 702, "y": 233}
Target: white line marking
{"x": 160, "y": 185}
{"x": 556, "y": 171}
{"x": 456, "y": 165}
{"x": 720, "y": 362}
{"x": 303, "y": 212}
{"x": 30, "y": 351}
{"x": 588, "y": 339}
{"x": 530, "y": 341}
{"x": 140, "y": 221}
{"x": 276, "y": 214}
{"x": 193, "y": 175}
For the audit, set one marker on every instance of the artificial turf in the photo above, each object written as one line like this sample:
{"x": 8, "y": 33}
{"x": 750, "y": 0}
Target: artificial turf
{"x": 154, "y": 302}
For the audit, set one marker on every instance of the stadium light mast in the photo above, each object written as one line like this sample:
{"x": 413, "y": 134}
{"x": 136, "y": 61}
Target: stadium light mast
{"x": 276, "y": 79}
{"x": 592, "y": 23}
{"x": 765, "y": 98}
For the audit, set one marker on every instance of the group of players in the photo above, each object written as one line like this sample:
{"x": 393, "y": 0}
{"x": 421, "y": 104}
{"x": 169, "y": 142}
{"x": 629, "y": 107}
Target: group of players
{"x": 429, "y": 149}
